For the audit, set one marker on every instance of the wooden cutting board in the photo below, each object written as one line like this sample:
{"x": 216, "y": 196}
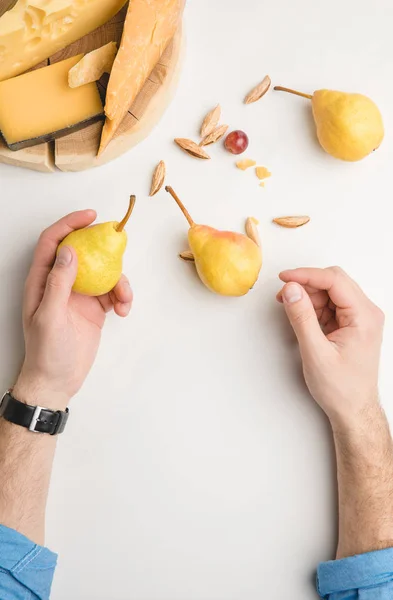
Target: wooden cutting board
{"x": 78, "y": 151}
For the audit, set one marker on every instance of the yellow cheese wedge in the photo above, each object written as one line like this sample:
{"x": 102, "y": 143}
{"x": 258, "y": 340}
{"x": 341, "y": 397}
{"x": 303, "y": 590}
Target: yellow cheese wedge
{"x": 40, "y": 106}
{"x": 93, "y": 65}
{"x": 33, "y": 30}
{"x": 148, "y": 28}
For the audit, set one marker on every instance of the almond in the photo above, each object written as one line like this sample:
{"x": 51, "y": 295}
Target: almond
{"x": 246, "y": 163}
{"x": 252, "y": 230}
{"x": 191, "y": 148}
{"x": 187, "y": 255}
{"x": 291, "y": 222}
{"x": 211, "y": 121}
{"x": 214, "y": 136}
{"x": 158, "y": 178}
{"x": 258, "y": 91}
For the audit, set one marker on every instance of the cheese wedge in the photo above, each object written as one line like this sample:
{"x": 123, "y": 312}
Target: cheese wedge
{"x": 93, "y": 65}
{"x": 33, "y": 30}
{"x": 40, "y": 106}
{"x": 148, "y": 28}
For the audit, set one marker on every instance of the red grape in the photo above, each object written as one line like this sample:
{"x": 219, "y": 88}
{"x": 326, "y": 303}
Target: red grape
{"x": 236, "y": 142}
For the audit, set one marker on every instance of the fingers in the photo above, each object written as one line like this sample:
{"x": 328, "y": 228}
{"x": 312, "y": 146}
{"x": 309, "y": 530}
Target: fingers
{"x": 119, "y": 299}
{"x": 60, "y": 280}
{"x": 342, "y": 290}
{"x": 303, "y": 318}
{"x": 45, "y": 252}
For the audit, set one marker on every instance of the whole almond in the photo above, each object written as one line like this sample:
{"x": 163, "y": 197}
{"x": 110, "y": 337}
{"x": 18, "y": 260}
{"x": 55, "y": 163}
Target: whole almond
{"x": 210, "y": 121}
{"x": 158, "y": 178}
{"x": 187, "y": 255}
{"x": 191, "y": 148}
{"x": 252, "y": 230}
{"x": 291, "y": 222}
{"x": 258, "y": 91}
{"x": 214, "y": 136}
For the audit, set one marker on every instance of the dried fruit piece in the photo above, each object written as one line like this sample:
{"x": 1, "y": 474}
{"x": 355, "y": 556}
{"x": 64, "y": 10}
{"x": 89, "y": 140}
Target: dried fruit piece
{"x": 236, "y": 142}
{"x": 93, "y": 65}
{"x": 187, "y": 255}
{"x": 214, "y": 136}
{"x": 291, "y": 222}
{"x": 158, "y": 178}
{"x": 262, "y": 172}
{"x": 191, "y": 148}
{"x": 211, "y": 121}
{"x": 262, "y": 184}
{"x": 245, "y": 164}
{"x": 252, "y": 230}
{"x": 258, "y": 91}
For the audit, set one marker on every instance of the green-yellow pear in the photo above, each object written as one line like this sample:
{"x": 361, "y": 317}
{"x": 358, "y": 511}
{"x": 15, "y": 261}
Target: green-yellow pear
{"x": 100, "y": 250}
{"x": 349, "y": 126}
{"x": 228, "y": 263}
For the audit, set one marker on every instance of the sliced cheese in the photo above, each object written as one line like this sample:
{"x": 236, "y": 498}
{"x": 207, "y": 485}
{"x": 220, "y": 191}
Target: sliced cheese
{"x": 40, "y": 106}
{"x": 148, "y": 28}
{"x": 34, "y": 30}
{"x": 93, "y": 65}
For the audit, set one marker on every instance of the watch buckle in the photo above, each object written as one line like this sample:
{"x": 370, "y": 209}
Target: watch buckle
{"x": 35, "y": 419}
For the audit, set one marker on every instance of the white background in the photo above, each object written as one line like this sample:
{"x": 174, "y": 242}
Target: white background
{"x": 195, "y": 466}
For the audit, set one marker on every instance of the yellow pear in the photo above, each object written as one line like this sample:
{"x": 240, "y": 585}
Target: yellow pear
{"x": 228, "y": 263}
{"x": 349, "y": 126}
{"x": 100, "y": 250}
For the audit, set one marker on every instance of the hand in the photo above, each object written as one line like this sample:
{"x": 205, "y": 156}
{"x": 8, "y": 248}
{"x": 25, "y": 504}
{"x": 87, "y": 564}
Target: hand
{"x": 62, "y": 329}
{"x": 339, "y": 331}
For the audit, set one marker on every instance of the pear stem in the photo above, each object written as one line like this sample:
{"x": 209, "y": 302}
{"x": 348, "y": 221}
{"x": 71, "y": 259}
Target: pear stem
{"x": 123, "y": 223}
{"x": 180, "y": 204}
{"x": 278, "y": 88}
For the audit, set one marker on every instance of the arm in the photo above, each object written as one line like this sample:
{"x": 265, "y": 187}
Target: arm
{"x": 340, "y": 333}
{"x": 62, "y": 332}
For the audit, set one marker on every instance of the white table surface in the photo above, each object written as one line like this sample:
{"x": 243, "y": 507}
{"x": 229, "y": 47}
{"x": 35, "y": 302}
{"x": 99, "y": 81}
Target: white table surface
{"x": 195, "y": 466}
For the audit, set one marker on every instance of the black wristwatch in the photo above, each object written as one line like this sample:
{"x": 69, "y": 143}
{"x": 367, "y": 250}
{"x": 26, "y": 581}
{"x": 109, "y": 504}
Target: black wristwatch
{"x": 34, "y": 418}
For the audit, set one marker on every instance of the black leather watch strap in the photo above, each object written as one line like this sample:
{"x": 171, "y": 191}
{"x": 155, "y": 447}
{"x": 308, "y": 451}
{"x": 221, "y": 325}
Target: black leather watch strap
{"x": 34, "y": 418}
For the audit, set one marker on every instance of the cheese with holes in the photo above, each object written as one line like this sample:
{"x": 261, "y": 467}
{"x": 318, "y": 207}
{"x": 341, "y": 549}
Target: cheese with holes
{"x": 40, "y": 106}
{"x": 148, "y": 28}
{"x": 33, "y": 30}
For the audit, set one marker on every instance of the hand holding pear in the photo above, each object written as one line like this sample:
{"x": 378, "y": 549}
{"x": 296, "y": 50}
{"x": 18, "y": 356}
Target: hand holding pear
{"x": 100, "y": 250}
{"x": 349, "y": 126}
{"x": 228, "y": 263}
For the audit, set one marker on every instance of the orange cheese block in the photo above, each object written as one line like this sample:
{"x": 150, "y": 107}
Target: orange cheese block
{"x": 148, "y": 28}
{"x": 40, "y": 106}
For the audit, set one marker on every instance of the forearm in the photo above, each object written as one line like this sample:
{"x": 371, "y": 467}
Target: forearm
{"x": 26, "y": 460}
{"x": 364, "y": 452}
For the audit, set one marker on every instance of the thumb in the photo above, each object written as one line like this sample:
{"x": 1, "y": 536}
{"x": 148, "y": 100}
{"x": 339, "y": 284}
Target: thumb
{"x": 61, "y": 278}
{"x": 301, "y": 314}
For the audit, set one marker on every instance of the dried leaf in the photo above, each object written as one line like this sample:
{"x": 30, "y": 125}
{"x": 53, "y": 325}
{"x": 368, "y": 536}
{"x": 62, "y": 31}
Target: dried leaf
{"x": 246, "y": 163}
{"x": 158, "y": 178}
{"x": 262, "y": 172}
{"x": 291, "y": 222}
{"x": 211, "y": 121}
{"x": 258, "y": 91}
{"x": 214, "y": 136}
{"x": 187, "y": 255}
{"x": 191, "y": 148}
{"x": 252, "y": 230}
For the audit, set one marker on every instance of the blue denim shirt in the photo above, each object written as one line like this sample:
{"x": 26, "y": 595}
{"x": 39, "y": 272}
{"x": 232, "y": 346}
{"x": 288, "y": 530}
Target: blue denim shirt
{"x": 26, "y": 572}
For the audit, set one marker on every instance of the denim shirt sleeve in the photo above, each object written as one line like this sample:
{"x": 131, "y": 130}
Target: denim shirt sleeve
{"x": 363, "y": 577}
{"x": 26, "y": 569}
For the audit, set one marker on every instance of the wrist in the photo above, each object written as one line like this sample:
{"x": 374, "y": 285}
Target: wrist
{"x": 32, "y": 391}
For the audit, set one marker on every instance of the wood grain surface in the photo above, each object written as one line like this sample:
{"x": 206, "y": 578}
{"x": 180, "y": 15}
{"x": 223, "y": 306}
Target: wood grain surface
{"x": 78, "y": 151}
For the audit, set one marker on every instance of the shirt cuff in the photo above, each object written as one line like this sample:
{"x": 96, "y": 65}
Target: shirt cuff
{"x": 356, "y": 572}
{"x": 29, "y": 564}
